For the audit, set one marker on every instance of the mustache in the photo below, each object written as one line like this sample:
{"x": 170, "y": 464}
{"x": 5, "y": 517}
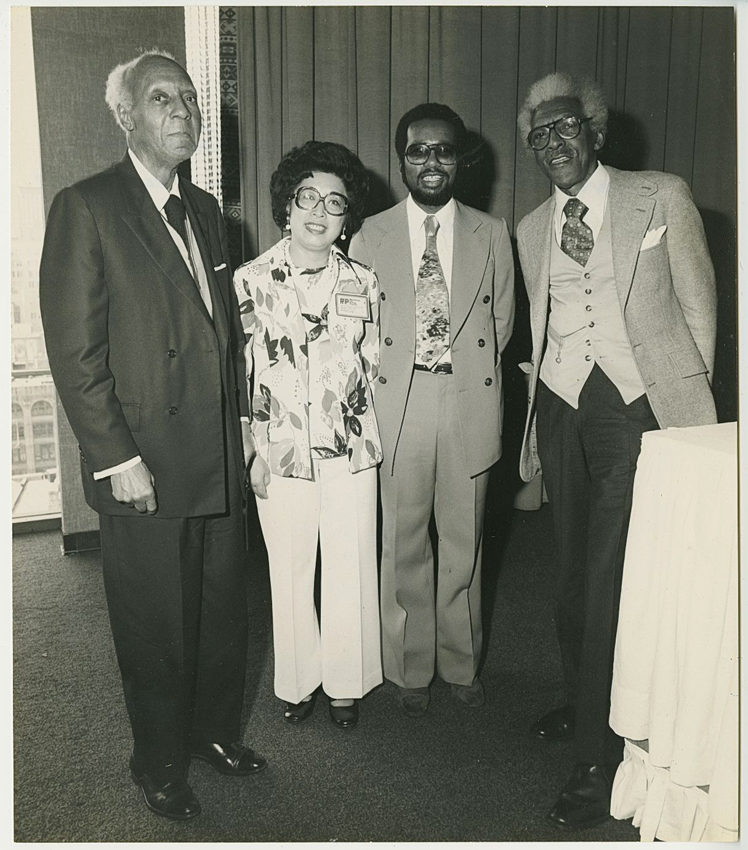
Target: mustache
{"x": 433, "y": 171}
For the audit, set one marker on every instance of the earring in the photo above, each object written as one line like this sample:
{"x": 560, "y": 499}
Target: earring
{"x": 342, "y": 236}
{"x": 288, "y": 224}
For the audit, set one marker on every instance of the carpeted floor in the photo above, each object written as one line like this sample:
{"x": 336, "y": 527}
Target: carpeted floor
{"x": 458, "y": 774}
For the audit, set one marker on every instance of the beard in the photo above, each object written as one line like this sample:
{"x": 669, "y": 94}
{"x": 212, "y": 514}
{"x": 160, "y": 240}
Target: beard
{"x": 437, "y": 197}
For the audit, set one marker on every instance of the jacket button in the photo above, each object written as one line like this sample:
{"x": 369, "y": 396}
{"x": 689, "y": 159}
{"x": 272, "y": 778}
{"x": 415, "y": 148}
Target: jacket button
{"x": 588, "y": 357}
{"x": 588, "y": 308}
{"x": 382, "y": 379}
{"x": 486, "y": 299}
{"x": 388, "y": 340}
{"x": 587, "y": 275}
{"x": 481, "y": 343}
{"x": 383, "y": 296}
{"x": 488, "y": 382}
{"x": 173, "y": 411}
{"x": 172, "y": 353}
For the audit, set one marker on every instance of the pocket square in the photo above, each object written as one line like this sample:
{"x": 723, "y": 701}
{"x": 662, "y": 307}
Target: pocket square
{"x": 223, "y": 266}
{"x": 653, "y": 237}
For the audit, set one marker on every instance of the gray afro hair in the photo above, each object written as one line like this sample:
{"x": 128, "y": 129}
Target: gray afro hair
{"x": 560, "y": 84}
{"x": 118, "y": 90}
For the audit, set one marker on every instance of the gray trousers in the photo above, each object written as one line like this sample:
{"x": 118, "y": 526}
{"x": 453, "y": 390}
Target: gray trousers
{"x": 431, "y": 626}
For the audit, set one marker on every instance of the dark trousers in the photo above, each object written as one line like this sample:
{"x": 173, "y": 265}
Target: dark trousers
{"x": 176, "y": 592}
{"x": 589, "y": 458}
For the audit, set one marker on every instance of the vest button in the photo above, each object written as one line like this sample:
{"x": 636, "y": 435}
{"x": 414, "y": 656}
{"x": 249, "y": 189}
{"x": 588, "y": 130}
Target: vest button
{"x": 172, "y": 353}
{"x": 588, "y": 342}
{"x": 588, "y": 308}
{"x": 587, "y": 275}
{"x": 488, "y": 382}
{"x": 486, "y": 299}
{"x": 383, "y": 296}
{"x": 588, "y": 292}
{"x": 481, "y": 343}
{"x": 173, "y": 411}
{"x": 388, "y": 340}
{"x": 382, "y": 379}
{"x": 588, "y": 357}
{"x": 591, "y": 325}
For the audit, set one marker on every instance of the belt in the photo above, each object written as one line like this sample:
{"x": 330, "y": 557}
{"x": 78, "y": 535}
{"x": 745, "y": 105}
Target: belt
{"x": 440, "y": 369}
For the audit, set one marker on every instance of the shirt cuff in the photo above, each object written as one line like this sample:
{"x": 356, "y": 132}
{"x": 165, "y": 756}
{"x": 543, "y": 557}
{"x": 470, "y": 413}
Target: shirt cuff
{"x": 121, "y": 467}
{"x": 245, "y": 419}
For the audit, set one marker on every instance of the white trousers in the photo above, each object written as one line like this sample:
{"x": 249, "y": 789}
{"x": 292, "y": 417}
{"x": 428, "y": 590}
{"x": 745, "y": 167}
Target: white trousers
{"x": 342, "y": 650}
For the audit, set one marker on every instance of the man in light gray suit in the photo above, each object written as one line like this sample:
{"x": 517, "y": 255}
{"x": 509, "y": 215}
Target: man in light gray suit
{"x": 446, "y": 279}
{"x": 623, "y": 315}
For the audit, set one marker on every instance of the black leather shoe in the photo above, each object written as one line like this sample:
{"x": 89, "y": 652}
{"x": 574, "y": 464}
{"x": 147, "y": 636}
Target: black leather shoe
{"x": 344, "y": 716}
{"x": 169, "y": 795}
{"x": 296, "y": 712}
{"x": 585, "y": 799}
{"x": 230, "y": 759}
{"x": 557, "y": 725}
{"x": 413, "y": 701}
{"x": 472, "y": 695}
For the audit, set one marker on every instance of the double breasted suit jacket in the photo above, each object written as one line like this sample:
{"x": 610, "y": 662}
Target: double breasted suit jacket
{"x": 481, "y": 321}
{"x": 139, "y": 365}
{"x": 666, "y": 290}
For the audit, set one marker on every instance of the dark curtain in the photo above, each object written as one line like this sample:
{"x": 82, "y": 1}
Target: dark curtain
{"x": 347, "y": 74}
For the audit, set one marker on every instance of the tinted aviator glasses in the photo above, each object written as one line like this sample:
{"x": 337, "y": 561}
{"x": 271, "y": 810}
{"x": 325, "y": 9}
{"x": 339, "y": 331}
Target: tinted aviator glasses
{"x": 307, "y": 198}
{"x": 565, "y": 128}
{"x": 419, "y": 154}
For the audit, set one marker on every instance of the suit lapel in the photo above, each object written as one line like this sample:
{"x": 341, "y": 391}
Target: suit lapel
{"x": 469, "y": 259}
{"x": 146, "y": 223}
{"x": 201, "y": 231}
{"x": 630, "y": 214}
{"x": 539, "y": 241}
{"x": 395, "y": 263}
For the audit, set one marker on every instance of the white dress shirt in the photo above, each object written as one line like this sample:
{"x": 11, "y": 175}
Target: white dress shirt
{"x": 444, "y": 244}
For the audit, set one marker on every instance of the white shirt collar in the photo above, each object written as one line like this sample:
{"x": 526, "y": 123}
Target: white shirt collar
{"x": 156, "y": 189}
{"x": 594, "y": 195}
{"x": 417, "y": 216}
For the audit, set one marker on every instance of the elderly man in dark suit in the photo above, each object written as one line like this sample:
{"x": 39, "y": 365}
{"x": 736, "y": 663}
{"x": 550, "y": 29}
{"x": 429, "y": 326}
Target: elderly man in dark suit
{"x": 623, "y": 314}
{"x": 446, "y": 278}
{"x": 145, "y": 347}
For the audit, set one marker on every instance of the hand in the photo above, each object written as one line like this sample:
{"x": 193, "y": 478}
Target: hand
{"x": 259, "y": 477}
{"x": 136, "y": 487}
{"x": 248, "y": 442}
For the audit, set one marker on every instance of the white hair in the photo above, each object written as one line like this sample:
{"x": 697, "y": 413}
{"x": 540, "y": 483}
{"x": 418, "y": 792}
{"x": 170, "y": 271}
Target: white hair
{"x": 585, "y": 90}
{"x": 118, "y": 87}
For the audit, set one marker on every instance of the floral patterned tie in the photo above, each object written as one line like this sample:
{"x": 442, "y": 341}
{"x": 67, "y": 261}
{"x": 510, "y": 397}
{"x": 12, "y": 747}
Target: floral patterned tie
{"x": 576, "y": 236}
{"x": 432, "y": 302}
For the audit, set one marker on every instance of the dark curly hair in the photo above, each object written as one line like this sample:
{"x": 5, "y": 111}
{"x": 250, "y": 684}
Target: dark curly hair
{"x": 326, "y": 157}
{"x": 430, "y": 112}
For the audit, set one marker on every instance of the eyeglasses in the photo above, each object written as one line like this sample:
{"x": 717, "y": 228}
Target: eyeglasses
{"x": 307, "y": 198}
{"x": 566, "y": 128}
{"x": 420, "y": 154}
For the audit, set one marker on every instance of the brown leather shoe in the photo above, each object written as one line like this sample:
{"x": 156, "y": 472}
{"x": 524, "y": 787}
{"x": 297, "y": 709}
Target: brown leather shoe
{"x": 167, "y": 795}
{"x": 585, "y": 799}
{"x": 557, "y": 725}
{"x": 471, "y": 695}
{"x": 230, "y": 759}
{"x": 413, "y": 701}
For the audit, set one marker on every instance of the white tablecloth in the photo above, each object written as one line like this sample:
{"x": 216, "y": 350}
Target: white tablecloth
{"x": 675, "y": 679}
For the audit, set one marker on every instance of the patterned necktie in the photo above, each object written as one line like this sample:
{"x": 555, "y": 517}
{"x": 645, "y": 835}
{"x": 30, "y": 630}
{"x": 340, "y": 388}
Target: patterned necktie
{"x": 576, "y": 236}
{"x": 432, "y": 302}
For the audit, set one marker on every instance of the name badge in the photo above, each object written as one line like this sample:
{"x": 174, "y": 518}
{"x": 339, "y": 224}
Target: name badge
{"x": 352, "y": 306}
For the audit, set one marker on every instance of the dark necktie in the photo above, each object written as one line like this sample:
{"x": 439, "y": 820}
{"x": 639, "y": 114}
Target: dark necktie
{"x": 576, "y": 236}
{"x": 176, "y": 215}
{"x": 432, "y": 302}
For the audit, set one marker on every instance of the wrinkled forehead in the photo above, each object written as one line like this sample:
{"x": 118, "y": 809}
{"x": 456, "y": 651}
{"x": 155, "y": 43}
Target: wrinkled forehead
{"x": 157, "y": 71}
{"x": 552, "y": 110}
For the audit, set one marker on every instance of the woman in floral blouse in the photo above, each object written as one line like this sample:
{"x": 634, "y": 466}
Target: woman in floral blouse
{"x": 311, "y": 324}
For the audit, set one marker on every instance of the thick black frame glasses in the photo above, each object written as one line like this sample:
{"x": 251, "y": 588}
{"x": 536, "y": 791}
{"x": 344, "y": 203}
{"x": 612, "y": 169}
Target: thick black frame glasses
{"x": 420, "y": 154}
{"x": 314, "y": 199}
{"x": 566, "y": 128}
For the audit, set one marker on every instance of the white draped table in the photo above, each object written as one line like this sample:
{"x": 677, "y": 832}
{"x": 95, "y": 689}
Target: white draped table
{"x": 675, "y": 678}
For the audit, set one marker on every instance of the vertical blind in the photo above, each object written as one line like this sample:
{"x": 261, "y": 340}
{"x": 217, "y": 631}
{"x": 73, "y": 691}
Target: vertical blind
{"x": 347, "y": 74}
